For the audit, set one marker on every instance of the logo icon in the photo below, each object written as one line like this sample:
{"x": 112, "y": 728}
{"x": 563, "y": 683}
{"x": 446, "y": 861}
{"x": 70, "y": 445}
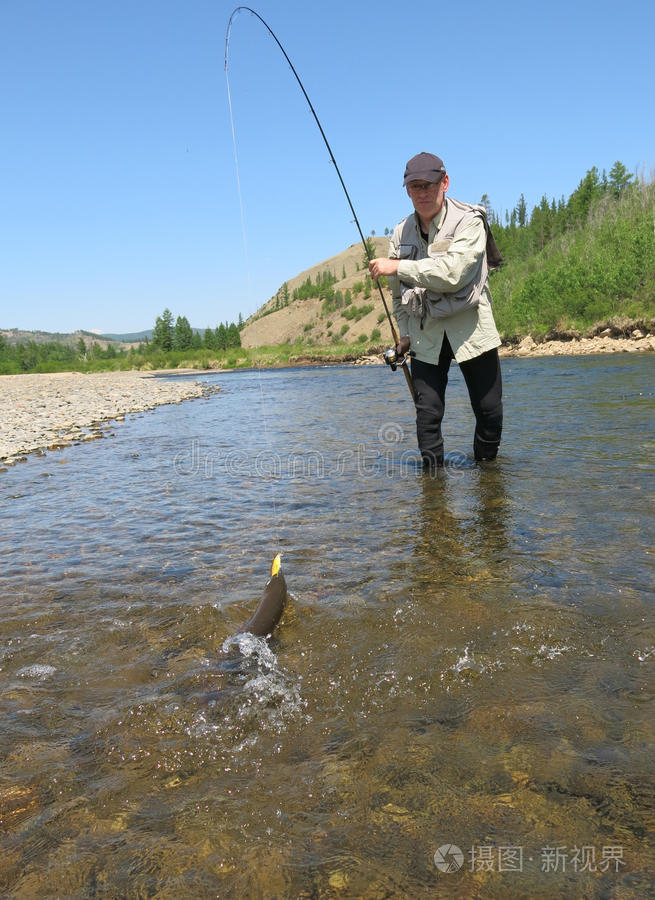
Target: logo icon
{"x": 449, "y": 858}
{"x": 390, "y": 433}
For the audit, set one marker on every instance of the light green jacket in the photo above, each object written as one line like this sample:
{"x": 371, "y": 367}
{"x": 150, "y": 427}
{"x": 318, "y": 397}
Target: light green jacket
{"x": 471, "y": 331}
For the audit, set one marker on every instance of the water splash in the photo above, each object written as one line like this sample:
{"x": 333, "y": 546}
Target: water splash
{"x": 267, "y": 701}
{"x": 37, "y": 671}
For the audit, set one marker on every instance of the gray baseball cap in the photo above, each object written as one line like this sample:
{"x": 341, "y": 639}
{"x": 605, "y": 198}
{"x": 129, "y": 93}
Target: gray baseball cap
{"x": 424, "y": 167}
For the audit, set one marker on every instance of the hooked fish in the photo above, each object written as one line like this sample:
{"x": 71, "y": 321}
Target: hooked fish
{"x": 229, "y": 662}
{"x": 271, "y": 606}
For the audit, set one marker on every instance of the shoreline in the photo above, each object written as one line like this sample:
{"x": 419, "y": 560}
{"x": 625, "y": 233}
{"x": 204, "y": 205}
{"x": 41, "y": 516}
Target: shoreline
{"x": 40, "y": 412}
{"x": 638, "y": 342}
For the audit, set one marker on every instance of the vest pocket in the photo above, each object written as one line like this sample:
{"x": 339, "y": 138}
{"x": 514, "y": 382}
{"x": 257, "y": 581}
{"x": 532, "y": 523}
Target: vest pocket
{"x": 407, "y": 251}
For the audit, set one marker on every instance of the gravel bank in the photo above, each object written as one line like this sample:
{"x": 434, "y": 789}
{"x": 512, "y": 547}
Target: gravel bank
{"x": 46, "y": 412}
{"x": 583, "y": 346}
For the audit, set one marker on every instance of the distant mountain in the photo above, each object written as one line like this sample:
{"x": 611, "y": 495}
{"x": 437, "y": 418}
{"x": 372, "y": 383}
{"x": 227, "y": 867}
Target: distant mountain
{"x": 129, "y": 338}
{"x": 20, "y": 336}
{"x": 138, "y": 335}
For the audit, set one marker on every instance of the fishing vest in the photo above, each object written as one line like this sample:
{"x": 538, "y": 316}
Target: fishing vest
{"x": 419, "y": 300}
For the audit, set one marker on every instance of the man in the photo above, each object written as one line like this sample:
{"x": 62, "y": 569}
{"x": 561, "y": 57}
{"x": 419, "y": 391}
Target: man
{"x": 438, "y": 271}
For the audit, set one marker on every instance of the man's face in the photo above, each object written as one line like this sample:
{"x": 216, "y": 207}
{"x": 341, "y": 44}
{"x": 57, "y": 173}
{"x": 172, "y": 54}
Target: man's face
{"x": 427, "y": 197}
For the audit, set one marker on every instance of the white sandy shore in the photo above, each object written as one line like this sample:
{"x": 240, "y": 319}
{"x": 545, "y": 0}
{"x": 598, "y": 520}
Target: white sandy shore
{"x": 41, "y": 412}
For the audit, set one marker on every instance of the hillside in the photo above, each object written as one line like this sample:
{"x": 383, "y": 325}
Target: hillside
{"x": 307, "y": 320}
{"x": 574, "y": 265}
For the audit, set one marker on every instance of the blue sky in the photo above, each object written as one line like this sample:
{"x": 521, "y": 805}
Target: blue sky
{"x": 118, "y": 192}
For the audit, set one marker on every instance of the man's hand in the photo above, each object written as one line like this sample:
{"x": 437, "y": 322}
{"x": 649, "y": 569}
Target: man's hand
{"x": 402, "y": 346}
{"x": 382, "y": 266}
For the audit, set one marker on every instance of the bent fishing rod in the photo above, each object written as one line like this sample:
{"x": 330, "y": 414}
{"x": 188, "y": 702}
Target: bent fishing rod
{"x": 395, "y": 362}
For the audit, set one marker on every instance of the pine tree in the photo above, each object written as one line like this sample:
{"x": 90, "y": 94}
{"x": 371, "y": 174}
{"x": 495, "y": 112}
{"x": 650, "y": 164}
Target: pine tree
{"x": 370, "y": 252}
{"x": 620, "y": 179}
{"x": 584, "y": 195}
{"x": 232, "y": 336}
{"x": 162, "y": 335}
{"x": 183, "y": 338}
{"x": 521, "y": 211}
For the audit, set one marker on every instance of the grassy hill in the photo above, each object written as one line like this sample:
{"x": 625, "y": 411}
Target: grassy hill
{"x": 585, "y": 263}
{"x": 313, "y": 322}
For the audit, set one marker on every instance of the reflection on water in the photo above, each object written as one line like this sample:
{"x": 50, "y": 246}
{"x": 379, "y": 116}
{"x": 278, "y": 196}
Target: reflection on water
{"x": 466, "y": 660}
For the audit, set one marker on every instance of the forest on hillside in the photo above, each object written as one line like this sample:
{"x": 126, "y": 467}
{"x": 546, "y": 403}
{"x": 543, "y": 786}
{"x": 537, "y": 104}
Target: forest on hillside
{"x": 574, "y": 262}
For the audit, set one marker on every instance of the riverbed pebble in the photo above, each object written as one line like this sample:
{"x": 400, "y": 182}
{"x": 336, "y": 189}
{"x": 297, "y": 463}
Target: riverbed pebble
{"x": 44, "y": 412}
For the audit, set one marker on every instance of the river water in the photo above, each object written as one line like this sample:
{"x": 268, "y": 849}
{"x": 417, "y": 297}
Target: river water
{"x": 463, "y": 678}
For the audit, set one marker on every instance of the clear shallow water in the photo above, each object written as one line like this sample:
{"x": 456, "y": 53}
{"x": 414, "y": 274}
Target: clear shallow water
{"x": 466, "y": 660}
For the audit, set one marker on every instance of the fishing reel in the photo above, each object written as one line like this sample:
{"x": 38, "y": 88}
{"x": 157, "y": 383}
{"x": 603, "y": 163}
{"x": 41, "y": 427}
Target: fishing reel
{"x": 393, "y": 359}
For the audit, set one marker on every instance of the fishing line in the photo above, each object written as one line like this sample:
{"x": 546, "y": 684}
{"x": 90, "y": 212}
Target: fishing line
{"x": 264, "y": 417}
{"x": 394, "y": 334}
{"x": 269, "y": 442}
{"x": 236, "y": 166}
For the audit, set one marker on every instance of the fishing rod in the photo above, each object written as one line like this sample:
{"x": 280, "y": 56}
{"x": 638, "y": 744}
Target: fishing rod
{"x": 393, "y": 361}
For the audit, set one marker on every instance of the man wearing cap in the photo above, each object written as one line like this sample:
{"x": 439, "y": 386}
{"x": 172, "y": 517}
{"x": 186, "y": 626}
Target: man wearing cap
{"x": 438, "y": 271}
